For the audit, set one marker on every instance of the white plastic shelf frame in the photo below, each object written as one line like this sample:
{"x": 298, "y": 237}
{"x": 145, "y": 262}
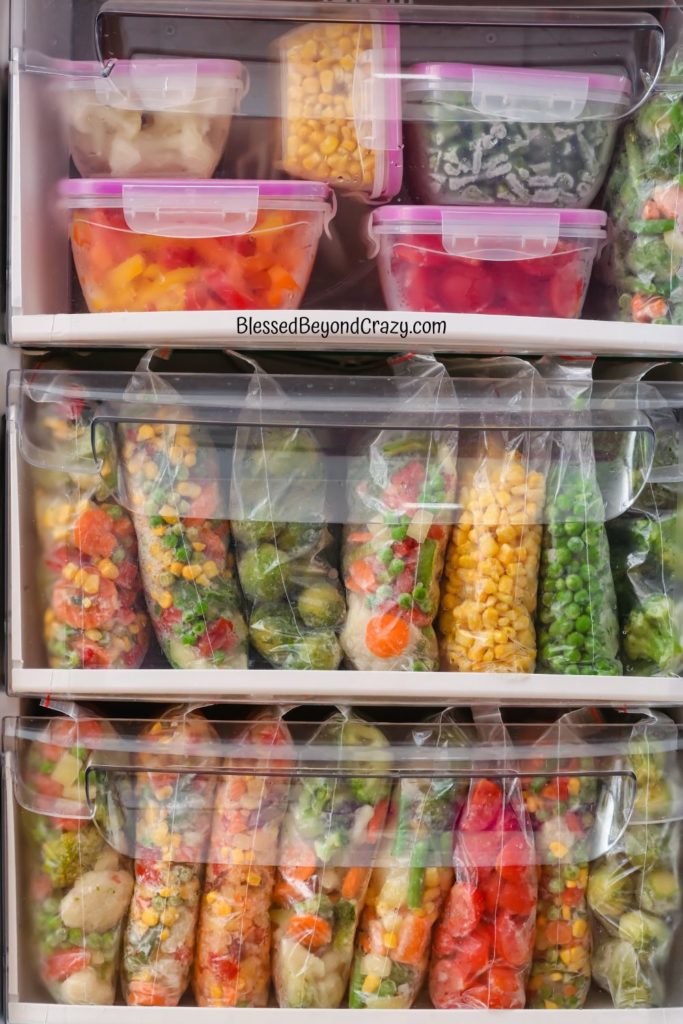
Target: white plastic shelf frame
{"x": 45, "y": 304}
{"x": 342, "y": 411}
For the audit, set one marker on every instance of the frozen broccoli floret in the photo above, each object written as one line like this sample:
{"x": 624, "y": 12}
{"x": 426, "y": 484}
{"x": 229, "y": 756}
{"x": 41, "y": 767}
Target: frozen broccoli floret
{"x": 70, "y": 854}
{"x": 321, "y": 605}
{"x": 652, "y": 641}
{"x": 649, "y": 935}
{"x": 653, "y": 801}
{"x": 249, "y": 531}
{"x": 659, "y": 892}
{"x": 368, "y": 790}
{"x": 610, "y": 889}
{"x": 651, "y": 257}
{"x": 647, "y": 760}
{"x": 261, "y": 573}
{"x": 646, "y": 845}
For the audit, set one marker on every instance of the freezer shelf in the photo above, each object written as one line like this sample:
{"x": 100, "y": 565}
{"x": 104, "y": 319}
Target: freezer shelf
{"x": 126, "y": 485}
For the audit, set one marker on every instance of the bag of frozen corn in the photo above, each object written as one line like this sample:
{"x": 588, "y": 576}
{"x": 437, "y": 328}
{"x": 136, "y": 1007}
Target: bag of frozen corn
{"x": 284, "y": 545}
{"x": 401, "y": 490}
{"x": 79, "y": 886}
{"x": 489, "y": 589}
{"x": 329, "y": 840}
{"x": 411, "y": 879}
{"x": 173, "y": 482}
{"x": 94, "y": 615}
{"x": 232, "y": 958}
{"x": 633, "y": 891}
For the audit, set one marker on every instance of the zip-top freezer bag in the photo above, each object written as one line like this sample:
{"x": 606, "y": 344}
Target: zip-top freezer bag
{"x": 232, "y": 959}
{"x": 578, "y": 630}
{"x": 646, "y": 544}
{"x": 483, "y": 943}
{"x": 562, "y": 810}
{"x": 284, "y": 556}
{"x": 328, "y": 846}
{"x": 644, "y": 199}
{"x": 79, "y": 886}
{"x": 408, "y": 885}
{"x": 488, "y": 596}
{"x": 89, "y": 579}
{"x": 173, "y": 824}
{"x": 401, "y": 490}
{"x": 633, "y": 891}
{"x": 173, "y": 482}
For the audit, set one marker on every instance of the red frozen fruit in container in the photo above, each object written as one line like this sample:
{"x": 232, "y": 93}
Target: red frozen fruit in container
{"x": 171, "y": 246}
{"x": 440, "y": 259}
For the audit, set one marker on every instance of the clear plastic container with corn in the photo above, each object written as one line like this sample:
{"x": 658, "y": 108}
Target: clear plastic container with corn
{"x": 341, "y": 106}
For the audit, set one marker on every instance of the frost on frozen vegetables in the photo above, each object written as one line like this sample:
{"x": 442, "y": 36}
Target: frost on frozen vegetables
{"x": 331, "y": 829}
{"x": 79, "y": 886}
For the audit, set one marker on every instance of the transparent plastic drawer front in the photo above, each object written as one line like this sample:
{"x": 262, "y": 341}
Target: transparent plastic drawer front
{"x": 341, "y": 862}
{"x": 396, "y": 526}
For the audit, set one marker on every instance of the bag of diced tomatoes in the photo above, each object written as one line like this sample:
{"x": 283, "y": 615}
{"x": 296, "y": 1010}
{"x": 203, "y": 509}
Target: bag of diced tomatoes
{"x": 483, "y": 944}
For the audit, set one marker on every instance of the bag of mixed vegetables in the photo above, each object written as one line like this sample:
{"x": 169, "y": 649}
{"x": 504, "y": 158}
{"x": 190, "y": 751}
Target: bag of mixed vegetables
{"x": 401, "y": 491}
{"x": 645, "y": 201}
{"x": 329, "y": 839}
{"x": 173, "y": 823}
{"x": 79, "y": 886}
{"x": 413, "y": 875}
{"x": 232, "y": 959}
{"x": 646, "y": 544}
{"x": 633, "y": 891}
{"x": 578, "y": 630}
{"x": 488, "y": 597}
{"x": 284, "y": 556}
{"x": 94, "y": 614}
{"x": 483, "y": 943}
{"x": 173, "y": 480}
{"x": 562, "y": 810}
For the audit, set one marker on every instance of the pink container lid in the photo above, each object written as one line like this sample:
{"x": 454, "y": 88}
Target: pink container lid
{"x": 72, "y": 188}
{"x": 393, "y": 157}
{"x": 471, "y": 215}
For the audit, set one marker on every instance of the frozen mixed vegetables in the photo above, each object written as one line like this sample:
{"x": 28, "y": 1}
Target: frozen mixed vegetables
{"x": 483, "y": 943}
{"x": 645, "y": 201}
{"x": 173, "y": 824}
{"x": 232, "y": 958}
{"x": 172, "y": 477}
{"x": 329, "y": 839}
{"x": 409, "y": 884}
{"x": 79, "y": 886}
{"x": 633, "y": 891}
{"x": 284, "y": 548}
{"x": 89, "y": 576}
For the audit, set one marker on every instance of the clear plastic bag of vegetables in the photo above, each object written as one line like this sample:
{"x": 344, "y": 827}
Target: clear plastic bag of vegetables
{"x": 94, "y": 615}
{"x": 562, "y": 808}
{"x": 401, "y": 490}
{"x": 173, "y": 824}
{"x": 488, "y": 599}
{"x": 578, "y": 629}
{"x": 232, "y": 958}
{"x": 79, "y": 887}
{"x": 646, "y": 544}
{"x": 644, "y": 198}
{"x": 328, "y": 846}
{"x": 483, "y": 943}
{"x": 410, "y": 881}
{"x": 284, "y": 546}
{"x": 633, "y": 891}
{"x": 172, "y": 478}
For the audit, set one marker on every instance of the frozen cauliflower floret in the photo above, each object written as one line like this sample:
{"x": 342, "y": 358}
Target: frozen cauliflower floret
{"x": 124, "y": 156}
{"x": 86, "y": 987}
{"x": 97, "y": 901}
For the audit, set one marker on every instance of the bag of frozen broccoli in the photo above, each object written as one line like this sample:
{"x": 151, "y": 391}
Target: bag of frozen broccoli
{"x": 646, "y": 543}
{"x": 401, "y": 490}
{"x": 172, "y": 478}
{"x": 633, "y": 891}
{"x": 578, "y": 630}
{"x": 285, "y": 550}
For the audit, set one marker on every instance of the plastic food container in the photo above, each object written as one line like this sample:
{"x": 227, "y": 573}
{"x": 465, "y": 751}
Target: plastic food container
{"x": 195, "y": 245}
{"x": 510, "y": 136}
{"x": 341, "y": 106}
{"x": 441, "y": 259}
{"x": 149, "y": 118}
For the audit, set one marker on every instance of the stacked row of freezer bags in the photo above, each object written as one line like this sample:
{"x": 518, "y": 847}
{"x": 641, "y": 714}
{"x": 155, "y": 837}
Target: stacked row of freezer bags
{"x": 474, "y": 550}
{"x": 512, "y": 885}
{"x": 476, "y": 138}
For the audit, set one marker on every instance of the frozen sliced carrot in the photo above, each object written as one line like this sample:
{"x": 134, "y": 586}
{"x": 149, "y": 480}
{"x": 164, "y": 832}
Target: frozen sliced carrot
{"x": 386, "y": 636}
{"x": 310, "y": 930}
